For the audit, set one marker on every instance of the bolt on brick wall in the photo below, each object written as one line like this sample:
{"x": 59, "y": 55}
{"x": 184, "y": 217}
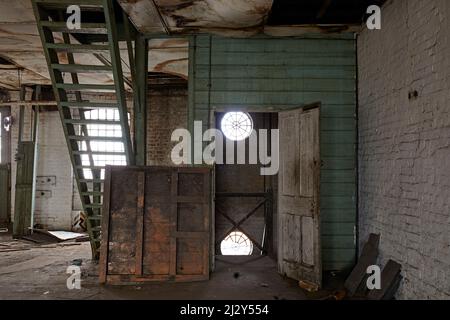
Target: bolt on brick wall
{"x": 167, "y": 112}
{"x": 404, "y": 143}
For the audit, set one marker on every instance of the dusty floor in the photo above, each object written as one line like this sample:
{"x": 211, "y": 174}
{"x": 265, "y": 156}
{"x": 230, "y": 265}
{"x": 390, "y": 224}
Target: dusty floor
{"x": 30, "y": 271}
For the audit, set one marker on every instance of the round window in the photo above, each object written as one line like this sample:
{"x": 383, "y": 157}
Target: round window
{"x": 237, "y": 126}
{"x": 236, "y": 244}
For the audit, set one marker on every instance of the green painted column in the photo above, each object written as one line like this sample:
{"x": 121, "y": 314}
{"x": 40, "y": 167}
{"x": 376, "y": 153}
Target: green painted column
{"x": 140, "y": 100}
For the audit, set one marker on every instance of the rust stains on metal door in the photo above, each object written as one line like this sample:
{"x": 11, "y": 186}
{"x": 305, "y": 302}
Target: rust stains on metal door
{"x": 156, "y": 225}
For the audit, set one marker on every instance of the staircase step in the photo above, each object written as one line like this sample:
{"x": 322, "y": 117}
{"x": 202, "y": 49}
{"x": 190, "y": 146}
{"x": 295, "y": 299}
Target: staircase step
{"x": 90, "y": 138}
{"x": 94, "y": 206}
{"x": 88, "y": 105}
{"x": 91, "y": 180}
{"x": 99, "y": 36}
{"x": 78, "y": 48}
{"x": 82, "y": 68}
{"x": 85, "y": 87}
{"x": 90, "y": 167}
{"x": 90, "y": 122}
{"x": 70, "y": 2}
{"x": 91, "y": 28}
{"x": 92, "y": 193}
{"x": 99, "y": 153}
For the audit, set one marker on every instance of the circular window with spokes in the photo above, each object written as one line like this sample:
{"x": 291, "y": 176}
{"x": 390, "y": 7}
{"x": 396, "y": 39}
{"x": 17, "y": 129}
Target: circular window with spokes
{"x": 237, "y": 125}
{"x": 236, "y": 244}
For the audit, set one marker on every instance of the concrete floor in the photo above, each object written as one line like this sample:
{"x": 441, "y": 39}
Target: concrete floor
{"x": 30, "y": 271}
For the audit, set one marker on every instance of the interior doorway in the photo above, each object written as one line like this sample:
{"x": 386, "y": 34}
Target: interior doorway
{"x": 245, "y": 201}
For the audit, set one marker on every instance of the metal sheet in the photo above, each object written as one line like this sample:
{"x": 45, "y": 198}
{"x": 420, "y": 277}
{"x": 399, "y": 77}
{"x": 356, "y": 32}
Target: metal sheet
{"x": 156, "y": 222}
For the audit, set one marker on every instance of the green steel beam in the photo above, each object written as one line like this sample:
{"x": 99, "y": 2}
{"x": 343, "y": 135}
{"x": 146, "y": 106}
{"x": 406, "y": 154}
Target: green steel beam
{"x": 116, "y": 62}
{"x": 140, "y": 100}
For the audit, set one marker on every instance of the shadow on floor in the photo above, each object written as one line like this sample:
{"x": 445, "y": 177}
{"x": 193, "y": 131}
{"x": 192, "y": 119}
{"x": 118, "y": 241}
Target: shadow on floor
{"x": 31, "y": 271}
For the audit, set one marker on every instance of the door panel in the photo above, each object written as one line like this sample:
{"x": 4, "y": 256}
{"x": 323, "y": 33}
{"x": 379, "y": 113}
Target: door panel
{"x": 299, "y": 255}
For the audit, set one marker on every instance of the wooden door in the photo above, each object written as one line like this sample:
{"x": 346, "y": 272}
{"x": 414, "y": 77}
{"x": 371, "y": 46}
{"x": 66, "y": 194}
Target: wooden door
{"x": 25, "y": 175}
{"x": 299, "y": 254}
{"x": 5, "y": 195}
{"x": 155, "y": 225}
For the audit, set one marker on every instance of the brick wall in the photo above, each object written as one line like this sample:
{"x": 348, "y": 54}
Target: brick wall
{"x": 167, "y": 112}
{"x": 404, "y": 150}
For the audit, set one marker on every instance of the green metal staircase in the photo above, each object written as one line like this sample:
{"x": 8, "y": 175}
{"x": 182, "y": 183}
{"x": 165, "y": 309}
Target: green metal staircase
{"x": 97, "y": 132}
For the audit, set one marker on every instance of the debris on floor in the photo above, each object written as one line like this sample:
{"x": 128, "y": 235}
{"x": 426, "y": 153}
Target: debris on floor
{"x": 355, "y": 282}
{"x": 30, "y": 274}
{"x": 43, "y": 237}
{"x": 390, "y": 282}
{"x": 308, "y": 286}
{"x": 12, "y": 246}
{"x": 335, "y": 296}
{"x": 356, "y": 285}
{"x": 61, "y": 235}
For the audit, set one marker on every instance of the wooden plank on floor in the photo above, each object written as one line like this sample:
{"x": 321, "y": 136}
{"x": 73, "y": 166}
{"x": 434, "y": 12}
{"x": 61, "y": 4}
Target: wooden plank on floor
{"x": 368, "y": 257}
{"x": 389, "y": 279}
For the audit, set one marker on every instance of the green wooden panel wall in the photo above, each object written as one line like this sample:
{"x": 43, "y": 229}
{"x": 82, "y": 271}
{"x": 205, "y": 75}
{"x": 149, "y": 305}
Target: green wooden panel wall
{"x": 269, "y": 74}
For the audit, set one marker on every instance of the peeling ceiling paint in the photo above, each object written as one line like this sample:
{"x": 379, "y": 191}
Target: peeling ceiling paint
{"x": 227, "y": 17}
{"x": 21, "y": 45}
{"x": 169, "y": 56}
{"x": 216, "y": 14}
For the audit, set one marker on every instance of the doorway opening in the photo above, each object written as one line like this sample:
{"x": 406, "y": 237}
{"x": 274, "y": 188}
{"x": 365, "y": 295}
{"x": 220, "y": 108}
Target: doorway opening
{"x": 245, "y": 205}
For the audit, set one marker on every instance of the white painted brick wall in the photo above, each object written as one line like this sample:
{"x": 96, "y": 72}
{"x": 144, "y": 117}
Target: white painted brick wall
{"x": 58, "y": 211}
{"x": 54, "y": 212}
{"x": 404, "y": 148}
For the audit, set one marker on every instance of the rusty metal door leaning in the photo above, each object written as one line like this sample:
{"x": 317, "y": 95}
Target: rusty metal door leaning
{"x": 156, "y": 225}
{"x": 299, "y": 254}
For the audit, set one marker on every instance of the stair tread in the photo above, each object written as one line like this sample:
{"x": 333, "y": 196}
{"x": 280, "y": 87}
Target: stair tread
{"x": 77, "y": 2}
{"x": 95, "y": 28}
{"x": 89, "y": 121}
{"x": 76, "y": 87}
{"x": 78, "y": 48}
{"x": 82, "y": 68}
{"x": 88, "y": 105}
{"x": 99, "y": 36}
{"x": 92, "y": 167}
{"x": 89, "y": 138}
{"x": 106, "y": 153}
